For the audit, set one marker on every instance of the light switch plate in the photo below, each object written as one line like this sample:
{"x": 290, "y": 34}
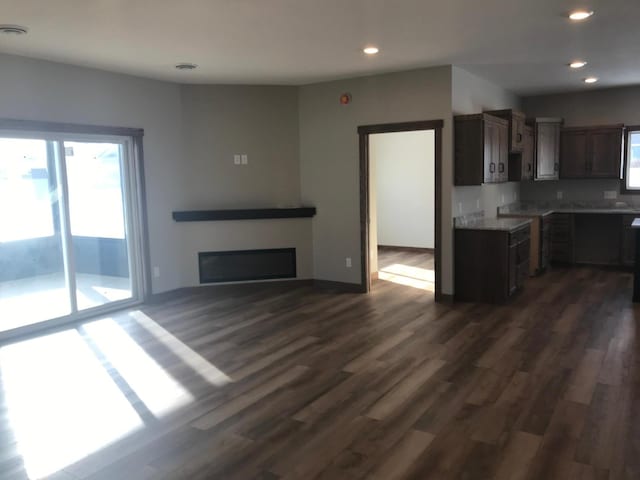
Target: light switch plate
{"x": 559, "y": 195}
{"x": 610, "y": 194}
{"x": 236, "y": 159}
{"x": 245, "y": 159}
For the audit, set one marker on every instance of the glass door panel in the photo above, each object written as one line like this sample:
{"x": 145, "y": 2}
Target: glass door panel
{"x": 33, "y": 284}
{"x": 101, "y": 257}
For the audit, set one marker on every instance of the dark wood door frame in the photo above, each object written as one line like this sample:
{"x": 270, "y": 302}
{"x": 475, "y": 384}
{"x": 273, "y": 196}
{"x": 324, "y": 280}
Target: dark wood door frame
{"x": 364, "y": 131}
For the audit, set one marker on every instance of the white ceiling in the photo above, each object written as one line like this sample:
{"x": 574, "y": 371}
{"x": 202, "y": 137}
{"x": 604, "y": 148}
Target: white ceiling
{"x": 523, "y": 45}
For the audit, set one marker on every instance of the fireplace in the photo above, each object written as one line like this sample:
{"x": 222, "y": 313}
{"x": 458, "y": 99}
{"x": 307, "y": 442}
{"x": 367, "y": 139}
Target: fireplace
{"x": 243, "y": 265}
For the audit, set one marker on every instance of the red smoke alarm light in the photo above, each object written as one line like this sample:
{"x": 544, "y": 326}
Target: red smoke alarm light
{"x": 345, "y": 99}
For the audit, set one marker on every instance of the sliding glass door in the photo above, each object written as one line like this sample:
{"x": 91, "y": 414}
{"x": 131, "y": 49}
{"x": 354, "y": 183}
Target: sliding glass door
{"x": 67, "y": 238}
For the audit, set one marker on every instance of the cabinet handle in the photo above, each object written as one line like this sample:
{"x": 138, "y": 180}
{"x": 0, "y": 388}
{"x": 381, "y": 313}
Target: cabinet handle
{"x": 528, "y": 167}
{"x": 501, "y": 167}
{"x": 492, "y": 167}
{"x": 519, "y": 137}
{"x": 555, "y": 167}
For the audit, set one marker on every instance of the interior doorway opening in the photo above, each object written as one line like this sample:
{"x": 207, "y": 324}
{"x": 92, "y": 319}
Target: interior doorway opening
{"x": 400, "y": 198}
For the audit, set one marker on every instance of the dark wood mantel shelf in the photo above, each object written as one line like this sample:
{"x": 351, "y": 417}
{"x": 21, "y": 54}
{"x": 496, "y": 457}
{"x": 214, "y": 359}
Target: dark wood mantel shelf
{"x": 245, "y": 214}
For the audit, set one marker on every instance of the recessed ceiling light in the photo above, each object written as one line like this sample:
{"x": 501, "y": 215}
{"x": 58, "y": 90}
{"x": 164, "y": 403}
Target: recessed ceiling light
{"x": 186, "y": 66}
{"x": 13, "y": 29}
{"x": 591, "y": 80}
{"x": 371, "y": 50}
{"x": 577, "y": 64}
{"x": 580, "y": 14}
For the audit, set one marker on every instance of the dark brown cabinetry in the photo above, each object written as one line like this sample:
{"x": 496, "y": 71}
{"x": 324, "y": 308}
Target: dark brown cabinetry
{"x": 628, "y": 256}
{"x": 547, "y": 148}
{"x": 516, "y": 127}
{"x": 561, "y": 238}
{"x": 490, "y": 265}
{"x": 545, "y": 243}
{"x": 481, "y": 150}
{"x": 521, "y": 164}
{"x": 592, "y": 239}
{"x": 591, "y": 152}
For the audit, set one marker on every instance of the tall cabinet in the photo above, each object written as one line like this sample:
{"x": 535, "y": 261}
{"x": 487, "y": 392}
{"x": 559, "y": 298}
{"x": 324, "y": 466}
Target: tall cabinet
{"x": 547, "y": 148}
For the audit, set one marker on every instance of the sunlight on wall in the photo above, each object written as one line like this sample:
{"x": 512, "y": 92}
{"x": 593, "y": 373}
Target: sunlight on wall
{"x": 415, "y": 277}
{"x": 209, "y": 372}
{"x": 62, "y": 404}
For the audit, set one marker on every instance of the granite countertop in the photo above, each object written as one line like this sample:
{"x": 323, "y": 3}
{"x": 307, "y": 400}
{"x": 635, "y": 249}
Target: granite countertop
{"x": 582, "y": 207}
{"x": 477, "y": 221}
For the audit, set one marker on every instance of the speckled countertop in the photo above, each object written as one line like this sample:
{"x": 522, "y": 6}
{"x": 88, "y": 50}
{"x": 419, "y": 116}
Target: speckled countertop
{"x": 477, "y": 221}
{"x": 542, "y": 209}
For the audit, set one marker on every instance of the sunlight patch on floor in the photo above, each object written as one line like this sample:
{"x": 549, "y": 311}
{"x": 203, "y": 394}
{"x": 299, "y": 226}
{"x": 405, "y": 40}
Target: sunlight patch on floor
{"x": 197, "y": 362}
{"x": 160, "y": 392}
{"x": 416, "y": 277}
{"x": 62, "y": 405}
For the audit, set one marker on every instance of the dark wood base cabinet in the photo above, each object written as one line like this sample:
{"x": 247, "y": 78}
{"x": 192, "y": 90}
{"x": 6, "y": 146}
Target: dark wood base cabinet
{"x": 490, "y": 265}
{"x": 592, "y": 239}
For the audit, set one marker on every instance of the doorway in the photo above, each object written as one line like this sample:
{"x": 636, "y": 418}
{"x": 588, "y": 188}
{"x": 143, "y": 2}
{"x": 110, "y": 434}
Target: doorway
{"x": 70, "y": 242}
{"x": 412, "y": 231}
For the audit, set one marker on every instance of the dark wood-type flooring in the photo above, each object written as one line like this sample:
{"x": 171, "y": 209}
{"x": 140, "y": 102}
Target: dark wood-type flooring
{"x": 388, "y": 386}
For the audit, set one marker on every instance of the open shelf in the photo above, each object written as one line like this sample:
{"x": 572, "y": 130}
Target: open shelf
{"x": 244, "y": 214}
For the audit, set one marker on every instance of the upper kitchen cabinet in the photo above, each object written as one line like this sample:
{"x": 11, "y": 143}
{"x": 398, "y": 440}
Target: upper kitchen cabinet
{"x": 516, "y": 128}
{"x": 521, "y": 164}
{"x": 591, "y": 152}
{"x": 547, "y": 148}
{"x": 481, "y": 149}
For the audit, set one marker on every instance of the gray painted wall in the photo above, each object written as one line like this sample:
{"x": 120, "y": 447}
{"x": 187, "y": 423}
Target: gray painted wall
{"x": 262, "y": 122}
{"x": 38, "y": 90}
{"x": 591, "y": 107}
{"x": 472, "y": 94}
{"x": 329, "y": 159}
{"x": 191, "y": 133}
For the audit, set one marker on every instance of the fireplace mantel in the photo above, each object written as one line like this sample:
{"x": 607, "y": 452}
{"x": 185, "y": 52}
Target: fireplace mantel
{"x": 243, "y": 214}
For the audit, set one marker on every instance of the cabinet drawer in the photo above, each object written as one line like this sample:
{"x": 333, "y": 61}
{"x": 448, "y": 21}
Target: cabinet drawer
{"x": 523, "y": 251}
{"x": 519, "y": 236}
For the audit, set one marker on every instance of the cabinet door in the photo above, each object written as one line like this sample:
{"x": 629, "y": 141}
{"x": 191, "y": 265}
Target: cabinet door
{"x": 547, "y": 151}
{"x": 605, "y": 153}
{"x": 527, "y": 154}
{"x": 517, "y": 133}
{"x": 628, "y": 254}
{"x": 490, "y": 168}
{"x": 573, "y": 154}
{"x": 502, "y": 151}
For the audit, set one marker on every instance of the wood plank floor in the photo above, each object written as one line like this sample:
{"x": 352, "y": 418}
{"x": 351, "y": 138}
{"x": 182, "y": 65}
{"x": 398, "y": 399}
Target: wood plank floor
{"x": 318, "y": 385}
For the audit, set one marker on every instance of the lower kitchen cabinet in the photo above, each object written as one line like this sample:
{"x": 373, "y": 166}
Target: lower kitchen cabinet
{"x": 490, "y": 265}
{"x": 592, "y": 239}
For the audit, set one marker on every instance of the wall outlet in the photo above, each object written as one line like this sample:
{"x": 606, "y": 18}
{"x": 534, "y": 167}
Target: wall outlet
{"x": 245, "y": 159}
{"x": 348, "y": 262}
{"x": 559, "y": 195}
{"x": 156, "y": 272}
{"x": 610, "y": 194}
{"x": 502, "y": 199}
{"x": 236, "y": 159}
{"x": 478, "y": 203}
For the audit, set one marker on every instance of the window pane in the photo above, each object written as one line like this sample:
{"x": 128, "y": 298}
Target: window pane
{"x": 25, "y": 203}
{"x": 633, "y": 172}
{"x": 95, "y": 193}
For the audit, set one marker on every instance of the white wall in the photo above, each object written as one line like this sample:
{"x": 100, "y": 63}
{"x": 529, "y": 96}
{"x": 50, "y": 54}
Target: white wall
{"x": 404, "y": 188}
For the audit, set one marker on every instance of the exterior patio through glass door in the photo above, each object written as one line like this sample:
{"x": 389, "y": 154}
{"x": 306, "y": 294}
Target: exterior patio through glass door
{"x": 67, "y": 235}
